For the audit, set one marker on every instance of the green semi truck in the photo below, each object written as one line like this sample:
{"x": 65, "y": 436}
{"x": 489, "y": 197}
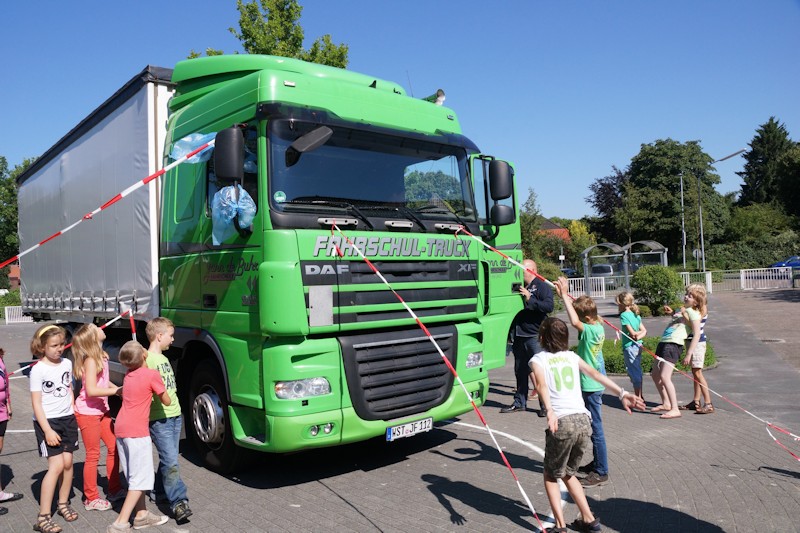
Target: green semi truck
{"x": 285, "y": 337}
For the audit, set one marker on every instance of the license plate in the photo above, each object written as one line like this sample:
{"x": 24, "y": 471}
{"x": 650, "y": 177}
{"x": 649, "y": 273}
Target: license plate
{"x": 408, "y": 430}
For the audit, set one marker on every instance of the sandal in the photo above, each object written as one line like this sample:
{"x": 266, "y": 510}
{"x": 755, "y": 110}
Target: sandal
{"x": 44, "y": 524}
{"x": 66, "y": 512}
{"x": 691, "y": 406}
{"x": 707, "y": 409}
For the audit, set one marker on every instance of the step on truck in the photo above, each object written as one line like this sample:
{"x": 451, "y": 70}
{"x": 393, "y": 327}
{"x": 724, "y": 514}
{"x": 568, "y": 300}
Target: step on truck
{"x": 285, "y": 338}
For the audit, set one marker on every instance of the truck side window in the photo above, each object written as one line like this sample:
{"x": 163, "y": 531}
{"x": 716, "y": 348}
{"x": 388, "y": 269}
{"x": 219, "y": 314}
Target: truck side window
{"x": 250, "y": 170}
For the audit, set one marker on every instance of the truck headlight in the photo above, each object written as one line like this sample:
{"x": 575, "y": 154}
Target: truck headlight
{"x": 474, "y": 359}
{"x": 302, "y": 388}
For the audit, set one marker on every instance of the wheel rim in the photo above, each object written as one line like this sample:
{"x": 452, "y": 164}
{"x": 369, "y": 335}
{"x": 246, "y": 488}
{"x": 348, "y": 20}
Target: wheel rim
{"x": 208, "y": 417}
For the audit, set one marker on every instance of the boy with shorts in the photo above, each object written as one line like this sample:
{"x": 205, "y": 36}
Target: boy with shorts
{"x": 568, "y": 433}
{"x": 133, "y": 437}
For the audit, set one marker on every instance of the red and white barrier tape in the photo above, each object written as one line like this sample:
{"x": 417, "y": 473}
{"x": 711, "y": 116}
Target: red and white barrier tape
{"x": 133, "y": 330}
{"x": 446, "y": 362}
{"x": 660, "y": 360}
{"x": 112, "y": 201}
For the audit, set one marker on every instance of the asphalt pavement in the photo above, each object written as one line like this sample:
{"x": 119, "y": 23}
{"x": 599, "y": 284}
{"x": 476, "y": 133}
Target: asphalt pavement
{"x": 705, "y": 473}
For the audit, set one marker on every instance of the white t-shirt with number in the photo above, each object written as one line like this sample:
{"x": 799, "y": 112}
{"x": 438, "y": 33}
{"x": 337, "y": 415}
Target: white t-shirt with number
{"x": 563, "y": 378}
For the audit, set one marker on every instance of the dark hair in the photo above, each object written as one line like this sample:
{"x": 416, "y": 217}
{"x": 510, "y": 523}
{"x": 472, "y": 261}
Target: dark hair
{"x": 554, "y": 335}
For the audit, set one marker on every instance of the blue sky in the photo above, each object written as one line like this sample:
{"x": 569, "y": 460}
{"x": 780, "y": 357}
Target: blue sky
{"x": 564, "y": 89}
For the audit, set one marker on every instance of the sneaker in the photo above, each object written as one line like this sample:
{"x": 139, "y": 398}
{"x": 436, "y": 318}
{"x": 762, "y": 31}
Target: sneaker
{"x": 148, "y": 520}
{"x": 118, "y": 528}
{"x": 98, "y": 504}
{"x": 182, "y": 511}
{"x": 587, "y": 468}
{"x": 117, "y": 496}
{"x": 593, "y": 480}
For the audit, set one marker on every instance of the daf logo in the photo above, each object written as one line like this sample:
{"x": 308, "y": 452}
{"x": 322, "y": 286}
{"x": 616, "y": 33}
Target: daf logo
{"x": 467, "y": 267}
{"x": 318, "y": 270}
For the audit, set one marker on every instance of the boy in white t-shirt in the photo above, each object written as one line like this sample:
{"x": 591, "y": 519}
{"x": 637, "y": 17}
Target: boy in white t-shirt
{"x": 557, "y": 371}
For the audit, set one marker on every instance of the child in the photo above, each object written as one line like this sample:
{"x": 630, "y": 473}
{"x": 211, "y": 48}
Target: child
{"x": 696, "y": 316}
{"x": 166, "y": 423}
{"x": 5, "y": 415}
{"x": 54, "y": 423}
{"x": 568, "y": 428}
{"x": 634, "y": 330}
{"x": 92, "y": 413}
{"x": 591, "y": 335}
{"x": 670, "y": 349}
{"x": 133, "y": 438}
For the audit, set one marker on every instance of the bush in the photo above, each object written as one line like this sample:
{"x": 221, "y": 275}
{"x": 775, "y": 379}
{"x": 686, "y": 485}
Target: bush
{"x": 12, "y": 298}
{"x": 645, "y": 311}
{"x": 655, "y": 286}
{"x": 615, "y": 364}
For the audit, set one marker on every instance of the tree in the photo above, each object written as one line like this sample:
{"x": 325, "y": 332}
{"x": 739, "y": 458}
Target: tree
{"x": 756, "y": 222}
{"x": 760, "y": 173}
{"x": 655, "y": 178}
{"x": 270, "y": 27}
{"x": 9, "y": 240}
{"x": 789, "y": 181}
{"x": 606, "y": 198}
{"x": 530, "y": 221}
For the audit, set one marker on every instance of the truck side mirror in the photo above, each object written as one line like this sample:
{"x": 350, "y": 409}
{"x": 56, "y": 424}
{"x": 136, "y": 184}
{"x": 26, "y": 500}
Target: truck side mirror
{"x": 501, "y": 215}
{"x": 501, "y": 180}
{"x": 229, "y": 154}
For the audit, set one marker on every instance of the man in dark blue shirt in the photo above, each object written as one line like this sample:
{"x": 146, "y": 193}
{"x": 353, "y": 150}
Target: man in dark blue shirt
{"x": 538, "y": 299}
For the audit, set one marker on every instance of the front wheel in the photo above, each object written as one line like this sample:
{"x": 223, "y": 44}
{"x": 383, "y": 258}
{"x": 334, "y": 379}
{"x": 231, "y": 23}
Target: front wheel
{"x": 209, "y": 423}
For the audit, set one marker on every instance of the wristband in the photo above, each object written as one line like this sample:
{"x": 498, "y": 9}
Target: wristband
{"x": 622, "y": 393}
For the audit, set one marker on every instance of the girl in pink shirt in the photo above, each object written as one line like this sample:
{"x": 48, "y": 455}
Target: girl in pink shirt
{"x": 92, "y": 413}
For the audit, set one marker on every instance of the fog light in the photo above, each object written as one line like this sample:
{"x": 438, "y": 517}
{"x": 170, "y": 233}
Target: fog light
{"x": 314, "y": 431}
{"x": 474, "y": 359}
{"x": 327, "y": 428}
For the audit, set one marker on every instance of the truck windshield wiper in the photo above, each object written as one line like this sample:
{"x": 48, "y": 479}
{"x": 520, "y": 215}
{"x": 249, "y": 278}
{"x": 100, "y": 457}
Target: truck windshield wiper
{"x": 333, "y": 203}
{"x": 431, "y": 208}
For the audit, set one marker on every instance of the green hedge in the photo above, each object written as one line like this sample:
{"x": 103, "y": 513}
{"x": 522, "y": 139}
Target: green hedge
{"x": 12, "y": 298}
{"x": 615, "y": 364}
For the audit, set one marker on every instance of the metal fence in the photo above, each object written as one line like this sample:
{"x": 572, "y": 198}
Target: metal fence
{"x": 716, "y": 280}
{"x": 13, "y": 314}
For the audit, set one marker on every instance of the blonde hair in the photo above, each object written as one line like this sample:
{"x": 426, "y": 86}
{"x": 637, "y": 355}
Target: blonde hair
{"x": 698, "y": 292}
{"x": 131, "y": 355}
{"x": 85, "y": 346}
{"x": 156, "y": 326}
{"x": 585, "y": 307}
{"x": 626, "y": 299}
{"x": 40, "y": 337}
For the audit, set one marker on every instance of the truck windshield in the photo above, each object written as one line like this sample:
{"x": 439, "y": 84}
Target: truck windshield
{"x": 369, "y": 171}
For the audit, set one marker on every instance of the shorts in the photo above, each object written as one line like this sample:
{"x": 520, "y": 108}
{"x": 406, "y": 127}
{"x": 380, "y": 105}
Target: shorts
{"x": 3, "y": 425}
{"x": 67, "y": 429}
{"x": 136, "y": 458}
{"x": 669, "y": 351}
{"x": 699, "y": 355}
{"x": 564, "y": 449}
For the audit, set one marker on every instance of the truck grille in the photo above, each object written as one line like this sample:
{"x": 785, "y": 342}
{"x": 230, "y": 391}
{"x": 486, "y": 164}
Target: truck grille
{"x": 398, "y": 373}
{"x": 350, "y": 303}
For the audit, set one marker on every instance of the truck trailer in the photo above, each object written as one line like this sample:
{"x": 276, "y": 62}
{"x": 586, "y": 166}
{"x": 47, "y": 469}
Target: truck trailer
{"x": 285, "y": 338}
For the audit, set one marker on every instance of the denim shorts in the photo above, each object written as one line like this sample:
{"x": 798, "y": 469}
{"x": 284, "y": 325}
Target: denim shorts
{"x": 669, "y": 351}
{"x": 564, "y": 449}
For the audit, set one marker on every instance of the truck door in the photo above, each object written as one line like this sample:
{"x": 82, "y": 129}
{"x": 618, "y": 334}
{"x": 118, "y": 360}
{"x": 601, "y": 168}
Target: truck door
{"x": 500, "y": 276}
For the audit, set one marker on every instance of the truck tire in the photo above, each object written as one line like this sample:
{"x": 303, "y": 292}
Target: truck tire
{"x": 208, "y": 422}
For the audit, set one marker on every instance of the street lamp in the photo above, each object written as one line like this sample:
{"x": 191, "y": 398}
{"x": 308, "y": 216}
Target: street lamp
{"x": 700, "y": 208}
{"x": 683, "y": 227}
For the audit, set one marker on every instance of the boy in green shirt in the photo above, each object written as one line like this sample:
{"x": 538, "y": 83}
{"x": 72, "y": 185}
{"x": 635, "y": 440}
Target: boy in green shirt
{"x": 591, "y": 335}
{"x": 166, "y": 422}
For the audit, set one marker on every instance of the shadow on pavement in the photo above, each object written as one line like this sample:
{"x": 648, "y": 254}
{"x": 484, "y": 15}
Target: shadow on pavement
{"x": 646, "y": 516}
{"x": 268, "y": 471}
